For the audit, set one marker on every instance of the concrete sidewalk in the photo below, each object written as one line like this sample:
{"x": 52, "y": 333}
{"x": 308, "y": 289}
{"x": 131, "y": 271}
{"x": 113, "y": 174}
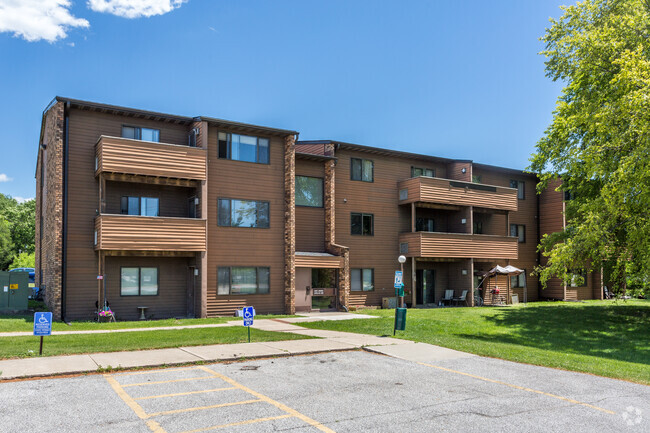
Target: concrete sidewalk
{"x": 306, "y": 317}
{"x": 326, "y": 341}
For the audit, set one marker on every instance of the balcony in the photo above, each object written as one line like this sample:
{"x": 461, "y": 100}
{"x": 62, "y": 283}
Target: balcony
{"x": 146, "y": 158}
{"x": 141, "y": 233}
{"x": 459, "y": 245}
{"x": 452, "y": 192}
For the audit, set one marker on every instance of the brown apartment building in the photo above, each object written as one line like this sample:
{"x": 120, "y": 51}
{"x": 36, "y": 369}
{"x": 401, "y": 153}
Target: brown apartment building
{"x": 197, "y": 216}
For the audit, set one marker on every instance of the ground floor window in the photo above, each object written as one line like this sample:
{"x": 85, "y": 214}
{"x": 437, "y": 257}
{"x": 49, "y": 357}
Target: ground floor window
{"x": 362, "y": 280}
{"x": 518, "y": 281}
{"x": 243, "y": 280}
{"x": 138, "y": 281}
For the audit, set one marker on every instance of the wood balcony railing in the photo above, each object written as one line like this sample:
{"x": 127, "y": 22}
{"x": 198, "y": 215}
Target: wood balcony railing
{"x": 453, "y": 192}
{"x": 141, "y": 233}
{"x": 146, "y": 158}
{"x": 458, "y": 245}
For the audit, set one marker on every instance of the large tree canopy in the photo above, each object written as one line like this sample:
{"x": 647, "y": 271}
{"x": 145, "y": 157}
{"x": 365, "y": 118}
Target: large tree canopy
{"x": 17, "y": 222}
{"x": 599, "y": 139}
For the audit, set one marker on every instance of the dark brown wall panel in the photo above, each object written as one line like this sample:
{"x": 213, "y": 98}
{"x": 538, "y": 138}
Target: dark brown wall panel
{"x": 83, "y": 199}
{"x": 172, "y": 288}
{"x": 310, "y": 222}
{"x": 238, "y": 246}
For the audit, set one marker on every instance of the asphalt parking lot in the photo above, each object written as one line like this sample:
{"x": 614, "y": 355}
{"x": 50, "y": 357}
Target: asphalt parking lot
{"x": 342, "y": 392}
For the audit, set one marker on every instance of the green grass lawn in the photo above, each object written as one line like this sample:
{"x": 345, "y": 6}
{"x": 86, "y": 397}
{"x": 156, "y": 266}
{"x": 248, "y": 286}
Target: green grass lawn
{"x": 21, "y": 347}
{"x": 26, "y": 323}
{"x": 606, "y": 338}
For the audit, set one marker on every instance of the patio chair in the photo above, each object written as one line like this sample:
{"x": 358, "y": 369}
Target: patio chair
{"x": 449, "y": 296}
{"x": 463, "y": 297}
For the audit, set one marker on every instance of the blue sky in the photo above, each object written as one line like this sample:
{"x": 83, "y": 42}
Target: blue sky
{"x": 457, "y": 79}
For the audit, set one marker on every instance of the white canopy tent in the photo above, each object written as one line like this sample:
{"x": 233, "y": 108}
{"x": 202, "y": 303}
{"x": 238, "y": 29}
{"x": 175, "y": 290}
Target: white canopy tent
{"x": 508, "y": 270}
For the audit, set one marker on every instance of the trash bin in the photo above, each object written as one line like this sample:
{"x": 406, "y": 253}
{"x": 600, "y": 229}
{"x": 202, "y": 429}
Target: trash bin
{"x": 400, "y": 319}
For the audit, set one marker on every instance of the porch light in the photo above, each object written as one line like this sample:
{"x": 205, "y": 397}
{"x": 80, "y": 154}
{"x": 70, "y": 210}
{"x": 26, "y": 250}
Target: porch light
{"x": 401, "y": 259}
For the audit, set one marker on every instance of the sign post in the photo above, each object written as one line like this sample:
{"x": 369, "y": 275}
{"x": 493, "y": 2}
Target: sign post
{"x": 248, "y": 314}
{"x": 42, "y": 327}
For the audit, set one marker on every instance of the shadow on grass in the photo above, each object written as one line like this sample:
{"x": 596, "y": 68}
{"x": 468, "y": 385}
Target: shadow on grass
{"x": 619, "y": 332}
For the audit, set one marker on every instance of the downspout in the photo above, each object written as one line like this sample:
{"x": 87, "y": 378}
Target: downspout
{"x": 64, "y": 236}
{"x": 539, "y": 253}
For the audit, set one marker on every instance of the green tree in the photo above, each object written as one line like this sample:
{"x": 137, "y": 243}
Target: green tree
{"x": 599, "y": 139}
{"x": 22, "y": 222}
{"x": 6, "y": 245}
{"x": 23, "y": 260}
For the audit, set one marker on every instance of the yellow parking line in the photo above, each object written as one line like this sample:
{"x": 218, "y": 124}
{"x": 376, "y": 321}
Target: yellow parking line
{"x": 234, "y": 424}
{"x": 169, "y": 370}
{"x": 185, "y": 393}
{"x": 165, "y": 381}
{"x": 135, "y": 407}
{"x": 192, "y": 409}
{"x": 559, "y": 397}
{"x": 270, "y": 401}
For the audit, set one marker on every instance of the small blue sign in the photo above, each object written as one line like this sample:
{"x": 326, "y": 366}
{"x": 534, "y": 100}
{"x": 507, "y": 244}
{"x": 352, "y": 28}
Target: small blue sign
{"x": 248, "y": 314}
{"x": 398, "y": 279}
{"x": 42, "y": 324}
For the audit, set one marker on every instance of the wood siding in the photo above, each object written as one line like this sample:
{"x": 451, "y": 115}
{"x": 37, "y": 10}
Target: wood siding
{"x": 380, "y": 198}
{"x": 318, "y": 262}
{"x": 139, "y": 233}
{"x": 310, "y": 221}
{"x": 85, "y": 129}
{"x": 551, "y": 220}
{"x": 458, "y": 245}
{"x": 171, "y": 300}
{"x": 240, "y": 246}
{"x": 526, "y": 214}
{"x": 443, "y": 191}
{"x": 123, "y": 155}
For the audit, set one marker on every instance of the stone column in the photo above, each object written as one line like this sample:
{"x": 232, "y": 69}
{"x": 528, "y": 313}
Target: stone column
{"x": 289, "y": 224}
{"x": 330, "y": 230}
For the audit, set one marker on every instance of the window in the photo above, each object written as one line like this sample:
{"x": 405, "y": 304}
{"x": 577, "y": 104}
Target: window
{"x": 243, "y": 148}
{"x": 362, "y": 169}
{"x": 478, "y": 228}
{"x": 144, "y": 134}
{"x": 425, "y": 225}
{"x": 242, "y": 280}
{"x": 476, "y": 178}
{"x": 404, "y": 248}
{"x": 518, "y": 281}
{"x": 419, "y": 171}
{"x": 362, "y": 280}
{"x": 577, "y": 275}
{"x": 309, "y": 191}
{"x": 518, "y": 231}
{"x": 243, "y": 213}
{"x": 519, "y": 185}
{"x": 362, "y": 224}
{"x": 138, "y": 281}
{"x": 143, "y": 206}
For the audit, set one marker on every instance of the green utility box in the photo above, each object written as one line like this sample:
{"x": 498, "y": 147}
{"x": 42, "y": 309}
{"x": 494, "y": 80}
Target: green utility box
{"x": 14, "y": 291}
{"x": 400, "y": 319}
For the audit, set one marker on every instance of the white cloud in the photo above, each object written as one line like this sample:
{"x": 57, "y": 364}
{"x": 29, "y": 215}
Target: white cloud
{"x": 135, "y": 8}
{"x": 22, "y": 199}
{"x": 5, "y": 178}
{"x": 34, "y": 20}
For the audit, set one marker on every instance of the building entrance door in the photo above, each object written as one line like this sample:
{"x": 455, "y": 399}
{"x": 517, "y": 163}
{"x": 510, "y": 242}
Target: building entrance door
{"x": 190, "y": 292}
{"x": 425, "y": 292}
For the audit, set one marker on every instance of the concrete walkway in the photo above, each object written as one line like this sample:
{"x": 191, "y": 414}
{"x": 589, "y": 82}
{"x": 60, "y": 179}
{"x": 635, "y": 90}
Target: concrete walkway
{"x": 305, "y": 317}
{"x": 326, "y": 341}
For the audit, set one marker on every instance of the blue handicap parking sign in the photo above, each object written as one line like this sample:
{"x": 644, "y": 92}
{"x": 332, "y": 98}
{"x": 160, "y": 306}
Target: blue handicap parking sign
{"x": 42, "y": 324}
{"x": 248, "y": 314}
{"x": 398, "y": 279}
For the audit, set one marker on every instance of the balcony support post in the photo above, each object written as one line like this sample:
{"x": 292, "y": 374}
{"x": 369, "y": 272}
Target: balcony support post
{"x": 413, "y": 277}
{"x": 413, "y": 217}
